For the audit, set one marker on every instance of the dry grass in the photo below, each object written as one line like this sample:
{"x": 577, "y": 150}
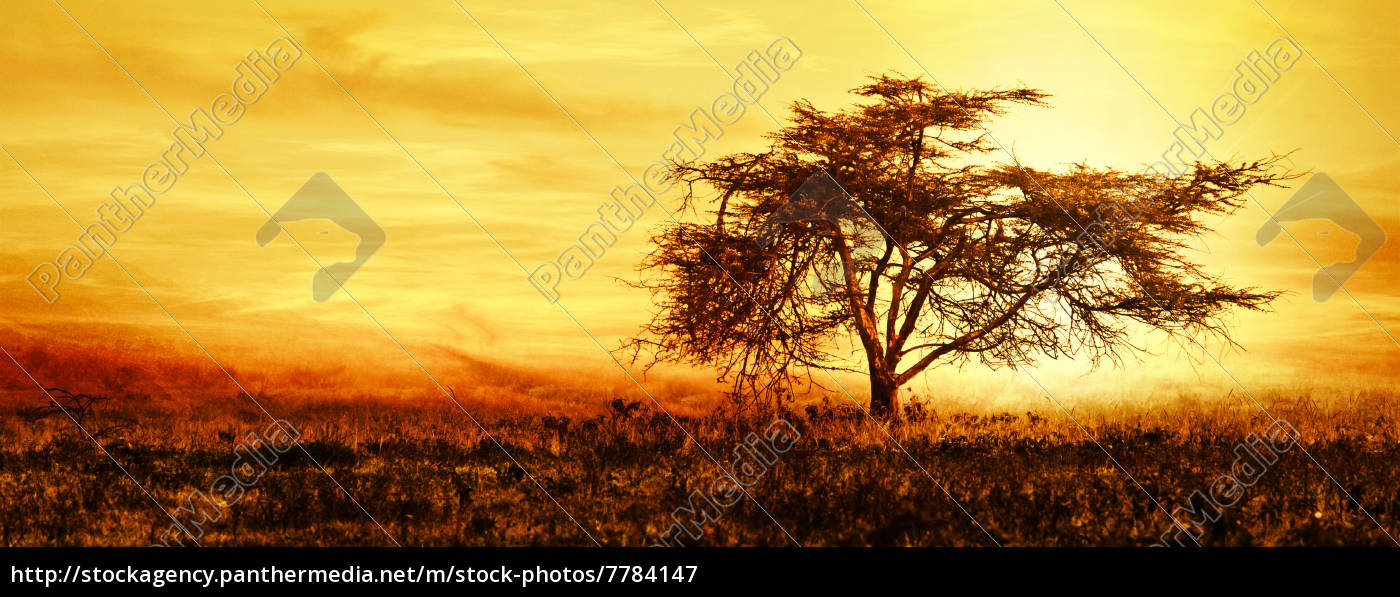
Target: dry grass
{"x": 431, "y": 477}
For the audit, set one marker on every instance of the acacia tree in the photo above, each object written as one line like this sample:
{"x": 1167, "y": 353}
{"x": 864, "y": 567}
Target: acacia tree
{"x": 883, "y": 229}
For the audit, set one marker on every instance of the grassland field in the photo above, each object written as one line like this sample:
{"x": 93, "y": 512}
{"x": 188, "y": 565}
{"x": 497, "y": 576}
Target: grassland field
{"x": 430, "y": 476}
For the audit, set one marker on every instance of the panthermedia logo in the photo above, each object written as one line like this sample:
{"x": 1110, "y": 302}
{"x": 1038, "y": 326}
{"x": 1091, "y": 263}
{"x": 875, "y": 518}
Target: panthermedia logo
{"x": 322, "y": 199}
{"x": 1321, "y": 198}
{"x": 829, "y": 211}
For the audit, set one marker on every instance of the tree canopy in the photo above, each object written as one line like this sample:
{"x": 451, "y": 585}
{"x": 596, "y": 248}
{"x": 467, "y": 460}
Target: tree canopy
{"x": 887, "y": 225}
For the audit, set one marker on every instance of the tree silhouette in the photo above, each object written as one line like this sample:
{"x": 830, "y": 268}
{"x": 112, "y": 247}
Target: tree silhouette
{"x": 882, "y": 231}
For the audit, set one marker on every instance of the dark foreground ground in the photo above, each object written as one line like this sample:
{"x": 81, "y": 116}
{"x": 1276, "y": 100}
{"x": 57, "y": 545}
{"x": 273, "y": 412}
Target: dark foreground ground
{"x": 430, "y": 477}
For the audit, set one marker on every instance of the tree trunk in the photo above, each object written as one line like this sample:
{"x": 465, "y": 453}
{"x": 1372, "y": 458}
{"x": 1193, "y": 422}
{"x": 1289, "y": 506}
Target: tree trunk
{"x": 884, "y": 396}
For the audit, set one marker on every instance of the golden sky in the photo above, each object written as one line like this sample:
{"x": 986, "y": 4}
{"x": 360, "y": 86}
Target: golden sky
{"x": 431, "y": 127}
